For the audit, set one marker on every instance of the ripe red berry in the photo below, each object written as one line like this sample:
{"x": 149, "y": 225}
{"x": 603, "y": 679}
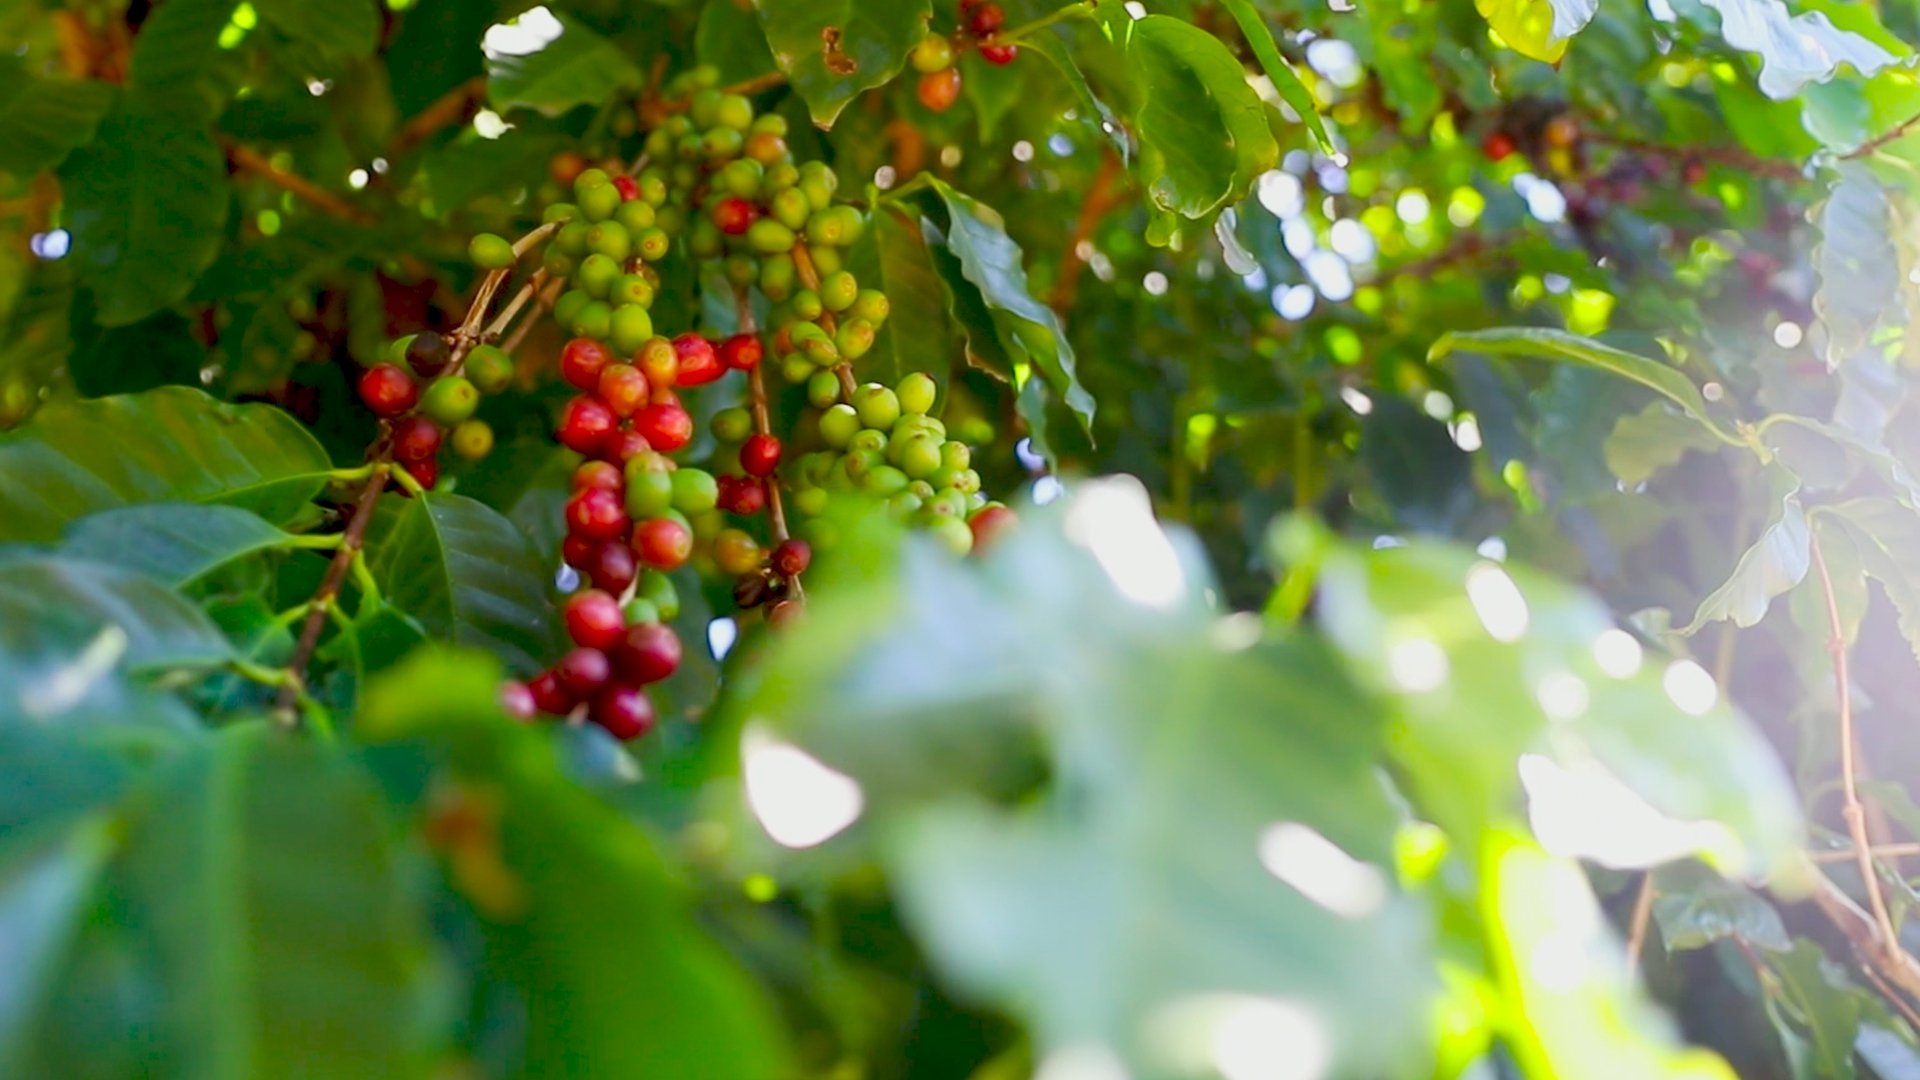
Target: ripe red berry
{"x": 581, "y": 362}
{"x": 578, "y": 552}
{"x": 610, "y": 567}
{"x": 760, "y": 454}
{"x": 416, "y": 438}
{"x": 597, "y": 514}
{"x": 593, "y": 619}
{"x": 388, "y": 390}
{"x": 622, "y": 446}
{"x": 584, "y": 424}
{"x": 782, "y": 612}
{"x": 986, "y": 19}
{"x": 425, "y": 473}
{"x": 628, "y": 187}
{"x": 938, "y": 90}
{"x": 1497, "y": 146}
{"x": 583, "y": 671}
{"x": 659, "y": 362}
{"x": 662, "y": 543}
{"x": 549, "y": 696}
{"x": 699, "y": 363}
{"x": 624, "y": 711}
{"x": 999, "y": 54}
{"x": 734, "y": 215}
{"x": 742, "y": 495}
{"x": 665, "y": 425}
{"x": 792, "y": 557}
{"x": 517, "y": 700}
{"x": 990, "y": 523}
{"x": 741, "y": 352}
{"x": 598, "y": 474}
{"x": 647, "y": 653}
{"x": 622, "y": 388}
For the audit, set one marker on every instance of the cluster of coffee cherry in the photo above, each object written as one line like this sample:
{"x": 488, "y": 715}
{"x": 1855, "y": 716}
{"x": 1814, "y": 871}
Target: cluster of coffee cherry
{"x": 718, "y": 185}
{"x": 936, "y": 54}
{"x": 420, "y": 420}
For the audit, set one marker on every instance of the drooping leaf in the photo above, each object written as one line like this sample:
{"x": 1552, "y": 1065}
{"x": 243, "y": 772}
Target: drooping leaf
{"x": 1537, "y": 28}
{"x": 467, "y": 575}
{"x": 1110, "y": 895}
{"x": 892, "y": 256}
{"x": 1028, "y": 330}
{"x": 1546, "y": 344}
{"x": 146, "y": 203}
{"x": 46, "y": 118}
{"x": 99, "y": 616}
{"x": 1858, "y": 264}
{"x": 1648, "y": 442}
{"x": 1794, "y": 50}
{"x": 171, "y": 444}
{"x": 337, "y": 29}
{"x": 1695, "y": 907}
{"x": 1775, "y": 563}
{"x": 174, "y": 543}
{"x": 1286, "y": 81}
{"x": 178, "y": 65}
{"x": 1202, "y": 131}
{"x": 729, "y": 38}
{"x": 569, "y": 893}
{"x": 831, "y": 50}
{"x": 577, "y": 67}
{"x": 287, "y": 931}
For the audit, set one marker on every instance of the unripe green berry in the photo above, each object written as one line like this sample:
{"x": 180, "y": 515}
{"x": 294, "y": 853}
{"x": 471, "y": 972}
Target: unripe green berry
{"x": 742, "y": 270}
{"x": 869, "y": 439}
{"x": 777, "y": 276}
{"x": 838, "y": 290}
{"x": 838, "y": 426}
{"x": 635, "y": 215}
{"x": 590, "y": 178}
{"x": 769, "y": 237}
{"x": 872, "y": 305}
{"x": 472, "y": 440}
{"x": 631, "y": 327}
{"x": 490, "y": 252}
{"x": 705, "y": 240}
{"x": 933, "y": 53}
{"x": 956, "y": 455}
{"x": 449, "y": 400}
{"x": 732, "y": 425}
{"x": 722, "y": 143}
{"x": 571, "y": 239}
{"x": 704, "y": 108}
{"x": 653, "y": 187}
{"x": 835, "y": 226}
{"x": 397, "y": 349}
{"x": 953, "y": 534}
{"x": 920, "y": 458}
{"x": 827, "y": 260}
{"x": 598, "y": 203}
{"x": 640, "y": 612}
{"x": 560, "y": 212}
{"x": 695, "y": 491}
{"x": 883, "y": 480}
{"x": 594, "y": 320}
{"x": 609, "y": 238}
{"x": 657, "y": 589}
{"x": 782, "y": 176}
{"x": 649, "y": 492}
{"x": 734, "y": 111}
{"x": 631, "y": 289}
{"x": 878, "y": 406}
{"x": 796, "y": 369}
{"x": 653, "y": 244}
{"x": 567, "y": 308}
{"x": 808, "y": 306}
{"x": 854, "y": 339}
{"x": 740, "y": 178}
{"x": 917, "y": 393}
{"x": 823, "y": 389}
{"x": 789, "y": 207}
{"x": 597, "y": 274}
{"x": 811, "y": 501}
{"x": 768, "y": 124}
{"x": 558, "y": 263}
{"x": 489, "y": 369}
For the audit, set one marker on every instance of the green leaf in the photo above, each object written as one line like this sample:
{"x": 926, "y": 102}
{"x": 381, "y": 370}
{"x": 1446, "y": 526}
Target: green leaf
{"x": 100, "y": 615}
{"x": 1537, "y": 28}
{"x": 1828, "y": 1006}
{"x": 1504, "y": 675}
{"x": 1794, "y": 50}
{"x": 175, "y": 543}
{"x": 1286, "y": 81}
{"x": 1858, "y": 265}
{"x": 1028, "y": 330}
{"x": 77, "y": 458}
{"x": 288, "y": 933}
{"x": 892, "y": 256}
{"x": 831, "y": 50}
{"x": 43, "y": 902}
{"x": 576, "y": 897}
{"x": 1646, "y": 443}
{"x": 1546, "y": 344}
{"x": 178, "y": 65}
{"x": 1775, "y": 563}
{"x": 338, "y": 29}
{"x": 146, "y": 202}
{"x": 467, "y": 575}
{"x": 46, "y": 118}
{"x": 1886, "y": 539}
{"x": 728, "y": 37}
{"x": 1202, "y": 131}
{"x": 1142, "y": 777}
{"x": 1695, "y": 907}
{"x": 579, "y": 67}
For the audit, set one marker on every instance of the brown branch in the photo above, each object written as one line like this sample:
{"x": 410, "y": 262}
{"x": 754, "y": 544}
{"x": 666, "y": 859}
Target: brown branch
{"x": 249, "y": 160}
{"x": 498, "y": 326}
{"x": 1892, "y": 134}
{"x": 763, "y": 424}
{"x": 1731, "y": 157}
{"x": 330, "y": 586}
{"x": 1100, "y": 199}
{"x": 456, "y": 106}
{"x": 1885, "y": 957}
{"x": 1641, "y": 921}
{"x": 1879, "y": 851}
{"x": 810, "y": 277}
{"x": 541, "y": 306}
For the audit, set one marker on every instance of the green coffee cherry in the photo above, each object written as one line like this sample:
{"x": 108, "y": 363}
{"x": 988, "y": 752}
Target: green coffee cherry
{"x": 808, "y": 306}
{"x": 790, "y": 208}
{"x": 796, "y": 369}
{"x": 489, "y": 369}
{"x": 635, "y": 215}
{"x": 598, "y": 203}
{"x": 594, "y": 320}
{"x": 397, "y": 349}
{"x": 872, "y": 305}
{"x": 490, "y": 252}
{"x": 558, "y": 263}
{"x": 657, "y": 589}
{"x": 695, "y": 491}
{"x": 732, "y": 425}
{"x": 597, "y": 274}
{"x": 649, "y": 492}
{"x": 917, "y": 392}
{"x": 567, "y": 308}
{"x": 838, "y": 426}
{"x": 854, "y": 339}
{"x": 560, "y": 211}
{"x": 878, "y": 406}
{"x": 811, "y": 501}
{"x": 609, "y": 238}
{"x": 631, "y": 289}
{"x": 769, "y": 237}
{"x": 823, "y": 389}
{"x": 472, "y": 440}
{"x": 777, "y": 276}
{"x": 883, "y": 480}
{"x": 449, "y": 400}
{"x": 919, "y": 458}
{"x": 632, "y": 325}
{"x": 839, "y": 290}
{"x": 571, "y": 239}
{"x": 868, "y": 439}
{"x": 653, "y": 244}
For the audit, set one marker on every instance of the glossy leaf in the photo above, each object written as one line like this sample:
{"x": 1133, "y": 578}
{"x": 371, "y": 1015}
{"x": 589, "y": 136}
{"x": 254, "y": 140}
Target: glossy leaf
{"x": 100, "y": 616}
{"x": 339, "y": 29}
{"x": 46, "y": 118}
{"x": 467, "y": 575}
{"x": 74, "y": 460}
{"x": 1858, "y": 264}
{"x": 146, "y": 203}
{"x": 1794, "y": 49}
{"x": 177, "y": 63}
{"x": 43, "y": 901}
{"x": 1653, "y": 440}
{"x": 1028, "y": 330}
{"x": 892, "y": 256}
{"x": 1775, "y": 563}
{"x": 1561, "y": 346}
{"x": 1886, "y": 539}
{"x": 578, "y": 67}
{"x": 1286, "y": 81}
{"x": 831, "y": 50}
{"x": 1695, "y": 907}
{"x": 174, "y": 543}
{"x": 1537, "y": 28}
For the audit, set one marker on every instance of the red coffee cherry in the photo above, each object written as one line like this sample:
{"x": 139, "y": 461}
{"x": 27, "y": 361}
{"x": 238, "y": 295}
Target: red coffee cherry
{"x": 597, "y": 514}
{"x": 425, "y": 473}
{"x": 388, "y": 390}
{"x": 628, "y": 187}
{"x": 593, "y": 619}
{"x": 581, "y": 362}
{"x": 792, "y": 557}
{"x": 624, "y": 711}
{"x": 662, "y": 543}
{"x": 999, "y": 54}
{"x": 666, "y": 426}
{"x": 585, "y": 423}
{"x": 990, "y": 523}
{"x": 416, "y": 438}
{"x": 549, "y": 696}
{"x": 1497, "y": 146}
{"x": 598, "y": 474}
{"x": 733, "y": 215}
{"x": 741, "y": 352}
{"x": 623, "y": 446}
{"x": 583, "y": 671}
{"x": 647, "y": 653}
{"x": 622, "y": 388}
{"x": 986, "y": 19}
{"x": 699, "y": 363}
{"x": 610, "y": 566}
{"x": 517, "y": 700}
{"x": 938, "y": 90}
{"x": 578, "y": 552}
{"x": 742, "y": 495}
{"x": 760, "y": 454}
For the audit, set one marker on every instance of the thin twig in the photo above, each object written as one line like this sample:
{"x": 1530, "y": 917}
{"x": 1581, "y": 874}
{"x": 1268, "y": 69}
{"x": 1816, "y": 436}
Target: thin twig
{"x": 527, "y": 292}
{"x": 1849, "y": 788}
{"x": 541, "y": 306}
{"x": 1879, "y": 851}
{"x": 1898, "y": 131}
{"x": 763, "y": 424}
{"x": 1642, "y": 919}
{"x": 250, "y": 160}
{"x": 329, "y": 590}
{"x": 810, "y": 277}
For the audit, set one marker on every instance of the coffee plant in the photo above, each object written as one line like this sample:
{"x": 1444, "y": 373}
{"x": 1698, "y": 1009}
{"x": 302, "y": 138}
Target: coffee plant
{"x": 872, "y": 539}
